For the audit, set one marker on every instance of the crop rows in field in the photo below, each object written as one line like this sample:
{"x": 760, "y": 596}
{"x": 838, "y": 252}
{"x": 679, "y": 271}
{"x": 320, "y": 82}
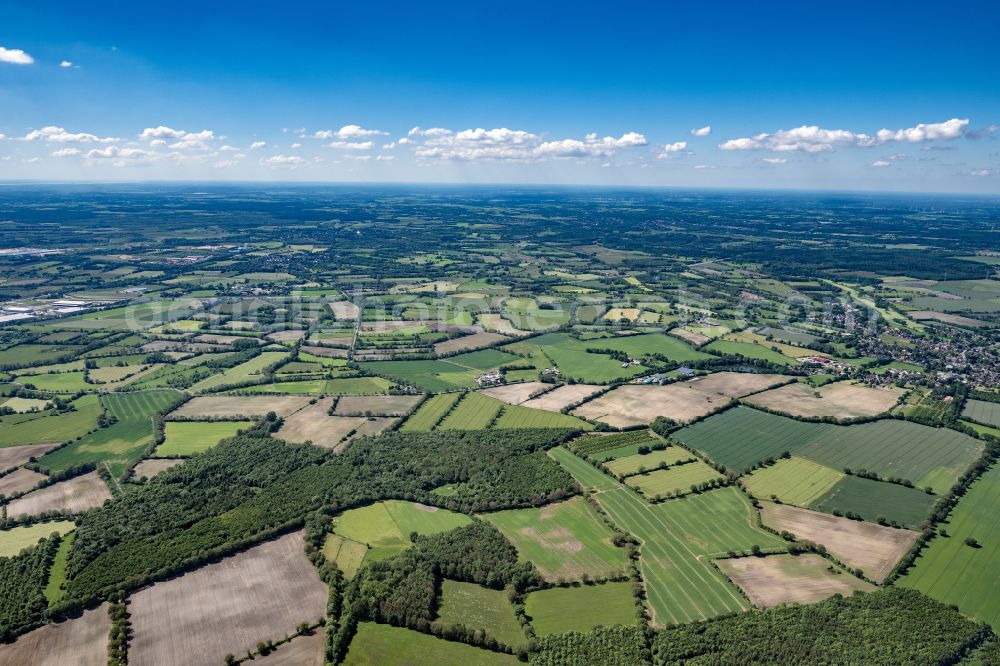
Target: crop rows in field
{"x": 594, "y": 445}
{"x": 429, "y": 413}
{"x": 679, "y": 538}
{"x": 676, "y": 480}
{"x": 475, "y": 412}
{"x": 982, "y": 411}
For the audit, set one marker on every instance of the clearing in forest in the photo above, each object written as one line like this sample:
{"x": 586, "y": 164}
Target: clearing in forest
{"x": 478, "y": 607}
{"x": 580, "y": 608}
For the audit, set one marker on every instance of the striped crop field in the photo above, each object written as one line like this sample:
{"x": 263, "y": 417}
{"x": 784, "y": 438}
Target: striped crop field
{"x": 679, "y": 539}
{"x": 429, "y": 413}
{"x": 678, "y": 479}
{"x": 794, "y": 481}
{"x": 475, "y": 412}
{"x": 525, "y": 417}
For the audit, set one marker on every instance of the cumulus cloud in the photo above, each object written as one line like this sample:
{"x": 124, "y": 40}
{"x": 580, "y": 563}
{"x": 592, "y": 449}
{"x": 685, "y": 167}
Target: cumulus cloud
{"x": 352, "y": 145}
{"x": 194, "y": 141}
{"x": 946, "y": 131}
{"x": 980, "y": 173}
{"x": 60, "y": 135}
{"x": 283, "y": 161}
{"x": 65, "y": 152}
{"x": 257, "y": 144}
{"x": 702, "y": 131}
{"x": 671, "y": 148}
{"x": 502, "y": 143}
{"x": 161, "y": 132}
{"x": 225, "y": 164}
{"x": 775, "y": 160}
{"x": 807, "y": 138}
{"x": 15, "y": 56}
{"x": 385, "y": 158}
{"x": 65, "y": 64}
{"x": 880, "y": 164}
{"x": 116, "y": 152}
{"x": 296, "y": 145}
{"x": 348, "y": 132}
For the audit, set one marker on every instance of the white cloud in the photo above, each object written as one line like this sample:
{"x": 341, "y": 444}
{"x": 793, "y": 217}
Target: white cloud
{"x": 225, "y": 164}
{"x": 807, "y": 138}
{"x": 385, "y": 158}
{"x": 65, "y": 64}
{"x": 702, "y": 131}
{"x": 981, "y": 173}
{"x": 348, "y": 132}
{"x": 296, "y": 145}
{"x": 389, "y": 146}
{"x": 257, "y": 144}
{"x": 116, "y": 152}
{"x": 60, "y": 135}
{"x": 502, "y": 143}
{"x": 404, "y": 141}
{"x": 946, "y": 131}
{"x": 65, "y": 152}
{"x": 880, "y": 164}
{"x": 989, "y": 130}
{"x": 283, "y": 161}
{"x": 672, "y": 148}
{"x": 2, "y": 136}
{"x": 775, "y": 160}
{"x": 351, "y": 145}
{"x": 161, "y": 132}
{"x": 194, "y": 141}
{"x": 15, "y": 56}
{"x": 702, "y": 167}
{"x": 359, "y": 158}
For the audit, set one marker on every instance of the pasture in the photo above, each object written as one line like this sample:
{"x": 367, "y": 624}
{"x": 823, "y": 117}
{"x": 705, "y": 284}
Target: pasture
{"x": 634, "y": 464}
{"x": 227, "y": 607}
{"x": 385, "y": 645}
{"x": 243, "y": 372}
{"x": 842, "y": 400}
{"x": 15, "y": 539}
{"x": 631, "y": 405}
{"x": 676, "y": 480}
{"x": 793, "y": 481}
{"x": 479, "y": 607}
{"x": 790, "y": 579}
{"x": 749, "y": 350}
{"x": 561, "y": 609}
{"x": 679, "y": 539}
{"x": 873, "y": 499}
{"x": 51, "y": 428}
{"x": 872, "y": 548}
{"x": 385, "y": 527}
{"x": 565, "y": 540}
{"x": 76, "y": 495}
{"x": 186, "y": 438}
{"x": 950, "y": 570}
{"x": 345, "y": 553}
{"x": 445, "y": 374}
{"x": 430, "y": 412}
{"x": 81, "y": 641}
{"x": 520, "y": 416}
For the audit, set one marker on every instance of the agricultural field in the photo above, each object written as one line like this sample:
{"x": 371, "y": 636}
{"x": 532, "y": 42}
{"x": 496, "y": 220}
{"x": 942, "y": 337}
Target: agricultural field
{"x": 565, "y": 541}
{"x": 954, "y": 571}
{"x": 187, "y": 438}
{"x": 15, "y": 539}
{"x": 304, "y": 650}
{"x": 237, "y": 407}
{"x": 479, "y": 607}
{"x": 793, "y": 481}
{"x": 563, "y": 396}
{"x": 385, "y": 645}
{"x": 475, "y": 412}
{"x": 522, "y": 416}
{"x": 430, "y": 412}
{"x": 580, "y": 608}
{"x": 227, "y": 607}
{"x": 385, "y": 527}
{"x": 786, "y": 579}
{"x": 982, "y": 411}
{"x": 82, "y": 641}
{"x": 632, "y": 405}
{"x": 152, "y": 466}
{"x": 874, "y": 549}
{"x": 47, "y": 427}
{"x": 840, "y": 400}
{"x": 19, "y": 481}
{"x": 639, "y": 462}
{"x": 678, "y": 480}
{"x": 314, "y": 424}
{"x": 348, "y": 555}
{"x": 515, "y": 394}
{"x": 76, "y": 495}
{"x": 376, "y": 405}
{"x": 872, "y": 500}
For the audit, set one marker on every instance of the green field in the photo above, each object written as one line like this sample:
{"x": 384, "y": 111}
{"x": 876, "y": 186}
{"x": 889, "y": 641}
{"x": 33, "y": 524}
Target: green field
{"x": 36, "y": 354}
{"x": 742, "y": 437}
{"x": 385, "y": 527}
{"x": 749, "y": 350}
{"x": 633, "y": 464}
{"x": 564, "y": 540}
{"x": 57, "y": 572}
{"x": 679, "y": 538}
{"x": 41, "y": 428}
{"x": 15, "y": 539}
{"x": 479, "y": 607}
{"x": 953, "y": 572}
{"x": 345, "y": 553}
{"x": 430, "y": 412}
{"x": 675, "y": 480}
{"x": 186, "y": 438}
{"x": 447, "y": 374}
{"x": 794, "y": 481}
{"x": 63, "y": 382}
{"x": 595, "y": 446}
{"x": 572, "y": 358}
{"x": 120, "y": 445}
{"x": 515, "y": 416}
{"x": 240, "y": 373}
{"x": 343, "y": 386}
{"x": 475, "y": 412}
{"x": 871, "y": 499}
{"x": 385, "y": 645}
{"x": 561, "y": 609}
{"x": 982, "y": 411}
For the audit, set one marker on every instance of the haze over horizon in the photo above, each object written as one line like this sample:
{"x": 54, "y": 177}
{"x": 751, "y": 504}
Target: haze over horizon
{"x": 718, "y": 95}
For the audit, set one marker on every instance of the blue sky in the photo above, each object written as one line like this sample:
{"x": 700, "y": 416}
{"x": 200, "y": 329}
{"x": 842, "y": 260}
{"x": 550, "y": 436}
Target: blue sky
{"x": 893, "y": 96}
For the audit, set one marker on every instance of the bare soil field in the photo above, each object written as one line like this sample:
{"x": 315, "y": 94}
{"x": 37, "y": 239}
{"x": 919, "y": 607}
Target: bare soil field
{"x": 872, "y": 548}
{"x": 326, "y": 352}
{"x": 300, "y": 651}
{"x": 840, "y": 399}
{"x": 735, "y": 384}
{"x": 390, "y": 325}
{"x": 369, "y": 428}
{"x": 639, "y": 404}
{"x": 238, "y": 406}
{"x": 153, "y": 466}
{"x": 227, "y": 607}
{"x": 12, "y": 456}
{"x": 784, "y": 579}
{"x": 696, "y": 339}
{"x": 495, "y": 322}
{"x": 515, "y": 394}
{"x": 570, "y": 394}
{"x": 313, "y": 423}
{"x": 80, "y": 641}
{"x": 344, "y": 310}
{"x": 378, "y": 405}
{"x": 19, "y": 481}
{"x": 286, "y": 336}
{"x": 474, "y": 341}
{"x": 73, "y": 496}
